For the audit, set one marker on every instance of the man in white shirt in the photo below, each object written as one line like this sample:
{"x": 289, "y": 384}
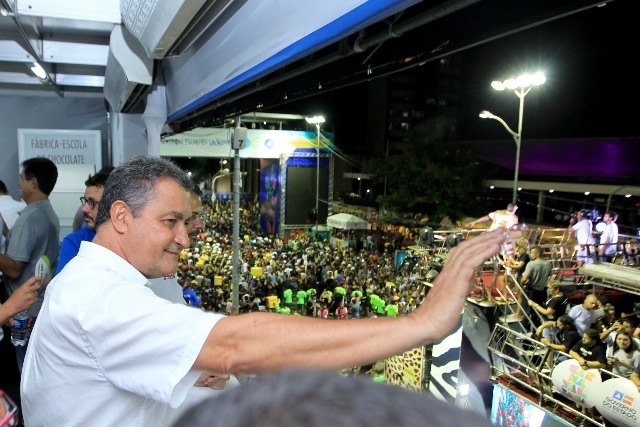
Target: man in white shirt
{"x": 106, "y": 349}
{"x": 609, "y": 237}
{"x": 504, "y": 218}
{"x": 583, "y": 229}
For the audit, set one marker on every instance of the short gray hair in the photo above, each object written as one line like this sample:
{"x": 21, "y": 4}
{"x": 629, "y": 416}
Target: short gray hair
{"x": 134, "y": 183}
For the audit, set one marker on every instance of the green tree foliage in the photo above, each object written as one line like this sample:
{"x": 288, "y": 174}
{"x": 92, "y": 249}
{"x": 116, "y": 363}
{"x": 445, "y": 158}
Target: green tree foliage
{"x": 441, "y": 179}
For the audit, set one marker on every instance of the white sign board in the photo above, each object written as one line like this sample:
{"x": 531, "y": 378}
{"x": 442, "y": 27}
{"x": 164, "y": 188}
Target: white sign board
{"x": 259, "y": 143}
{"x": 76, "y": 153}
{"x": 62, "y": 146}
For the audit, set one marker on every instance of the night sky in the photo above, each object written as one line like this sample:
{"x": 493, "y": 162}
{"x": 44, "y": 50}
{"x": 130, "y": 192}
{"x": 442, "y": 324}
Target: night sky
{"x": 580, "y": 126}
{"x": 590, "y": 90}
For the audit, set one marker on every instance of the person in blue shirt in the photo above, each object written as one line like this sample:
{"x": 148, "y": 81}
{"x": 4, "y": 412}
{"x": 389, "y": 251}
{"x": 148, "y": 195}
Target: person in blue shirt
{"x": 89, "y": 205}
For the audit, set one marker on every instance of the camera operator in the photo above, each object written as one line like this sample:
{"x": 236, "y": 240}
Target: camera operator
{"x": 583, "y": 229}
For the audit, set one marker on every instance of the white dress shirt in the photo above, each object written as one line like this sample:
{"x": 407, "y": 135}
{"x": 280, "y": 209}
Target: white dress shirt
{"x": 106, "y": 350}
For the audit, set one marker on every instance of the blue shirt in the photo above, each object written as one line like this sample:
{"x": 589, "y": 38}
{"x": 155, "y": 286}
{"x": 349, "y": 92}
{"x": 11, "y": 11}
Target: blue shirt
{"x": 191, "y": 297}
{"x": 71, "y": 245}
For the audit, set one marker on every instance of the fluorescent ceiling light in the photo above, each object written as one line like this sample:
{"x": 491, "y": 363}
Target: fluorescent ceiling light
{"x": 38, "y": 71}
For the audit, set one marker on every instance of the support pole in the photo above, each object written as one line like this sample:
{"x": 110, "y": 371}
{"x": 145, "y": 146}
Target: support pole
{"x": 236, "y": 227}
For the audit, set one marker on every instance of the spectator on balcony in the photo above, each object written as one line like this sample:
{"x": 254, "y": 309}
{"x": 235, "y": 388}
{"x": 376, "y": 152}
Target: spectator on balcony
{"x": 583, "y": 229}
{"x": 555, "y": 304}
{"x": 503, "y": 218}
{"x": 609, "y": 237}
{"x": 624, "y": 357}
{"x": 583, "y": 314}
{"x": 559, "y": 335}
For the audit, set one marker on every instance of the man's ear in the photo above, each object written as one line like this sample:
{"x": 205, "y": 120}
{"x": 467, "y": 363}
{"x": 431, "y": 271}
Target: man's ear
{"x": 120, "y": 215}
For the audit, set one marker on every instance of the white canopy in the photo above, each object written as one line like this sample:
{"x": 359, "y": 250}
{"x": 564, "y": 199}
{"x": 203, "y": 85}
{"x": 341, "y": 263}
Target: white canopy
{"x": 346, "y": 222}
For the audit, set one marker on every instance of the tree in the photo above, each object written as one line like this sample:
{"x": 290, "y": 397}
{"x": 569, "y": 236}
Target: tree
{"x": 445, "y": 179}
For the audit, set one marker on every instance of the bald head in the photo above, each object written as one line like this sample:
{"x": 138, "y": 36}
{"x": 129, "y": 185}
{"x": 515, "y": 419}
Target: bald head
{"x": 590, "y": 302}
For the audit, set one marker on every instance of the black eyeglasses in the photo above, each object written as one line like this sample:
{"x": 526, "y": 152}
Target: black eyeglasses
{"x": 200, "y": 217}
{"x": 90, "y": 202}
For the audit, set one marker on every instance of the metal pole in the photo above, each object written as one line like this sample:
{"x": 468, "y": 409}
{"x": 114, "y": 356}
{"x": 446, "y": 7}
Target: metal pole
{"x": 236, "y": 227}
{"x": 317, "y": 178}
{"x": 518, "y": 139}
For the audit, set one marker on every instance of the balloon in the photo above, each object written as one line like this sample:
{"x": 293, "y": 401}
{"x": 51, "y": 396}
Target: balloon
{"x": 575, "y": 383}
{"x": 619, "y": 402}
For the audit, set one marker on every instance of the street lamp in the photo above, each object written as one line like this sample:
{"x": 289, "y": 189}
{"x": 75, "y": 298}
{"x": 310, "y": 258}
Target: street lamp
{"x": 220, "y": 174}
{"x": 317, "y": 120}
{"x": 521, "y": 87}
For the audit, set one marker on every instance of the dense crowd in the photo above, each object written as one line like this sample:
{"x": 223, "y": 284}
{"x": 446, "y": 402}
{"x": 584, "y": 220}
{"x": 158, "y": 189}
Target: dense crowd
{"x": 295, "y": 274}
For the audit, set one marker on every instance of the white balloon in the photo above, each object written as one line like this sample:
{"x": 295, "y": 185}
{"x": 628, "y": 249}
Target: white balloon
{"x": 575, "y": 383}
{"x": 619, "y": 402}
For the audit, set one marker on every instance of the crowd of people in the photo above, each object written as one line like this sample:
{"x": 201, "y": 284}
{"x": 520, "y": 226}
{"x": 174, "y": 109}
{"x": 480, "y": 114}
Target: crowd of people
{"x": 595, "y": 332}
{"x": 297, "y": 274}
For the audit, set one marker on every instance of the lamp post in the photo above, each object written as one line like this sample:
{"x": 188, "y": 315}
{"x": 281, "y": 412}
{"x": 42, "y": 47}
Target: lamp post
{"x": 521, "y": 87}
{"x": 317, "y": 120}
{"x": 220, "y": 174}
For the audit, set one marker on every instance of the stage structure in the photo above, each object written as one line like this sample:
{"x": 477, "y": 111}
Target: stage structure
{"x": 297, "y": 194}
{"x": 288, "y": 162}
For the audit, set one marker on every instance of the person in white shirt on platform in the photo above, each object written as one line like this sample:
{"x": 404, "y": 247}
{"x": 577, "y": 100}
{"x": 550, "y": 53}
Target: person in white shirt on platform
{"x": 609, "y": 237}
{"x": 505, "y": 218}
{"x": 583, "y": 229}
{"x": 107, "y": 351}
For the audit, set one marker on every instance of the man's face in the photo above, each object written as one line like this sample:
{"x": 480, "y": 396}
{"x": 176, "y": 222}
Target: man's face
{"x": 153, "y": 240}
{"x": 590, "y": 303}
{"x": 606, "y": 218}
{"x": 535, "y": 254}
{"x": 196, "y": 225}
{"x": 92, "y": 196}
{"x": 25, "y": 185}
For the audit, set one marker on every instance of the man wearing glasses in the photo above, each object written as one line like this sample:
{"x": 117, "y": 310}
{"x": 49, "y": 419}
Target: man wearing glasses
{"x": 167, "y": 287}
{"x": 89, "y": 205}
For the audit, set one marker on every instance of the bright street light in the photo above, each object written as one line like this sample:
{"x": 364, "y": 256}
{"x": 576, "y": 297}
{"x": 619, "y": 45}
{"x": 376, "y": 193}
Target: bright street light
{"x": 219, "y": 174}
{"x": 317, "y": 120}
{"x": 521, "y": 87}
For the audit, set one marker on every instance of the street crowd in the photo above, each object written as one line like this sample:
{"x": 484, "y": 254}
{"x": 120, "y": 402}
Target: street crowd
{"x": 296, "y": 274}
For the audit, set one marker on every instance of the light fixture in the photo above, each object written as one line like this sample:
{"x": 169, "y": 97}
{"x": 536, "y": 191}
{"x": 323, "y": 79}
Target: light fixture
{"x": 522, "y": 81}
{"x": 551, "y": 190}
{"x": 627, "y": 195}
{"x": 314, "y": 120}
{"x": 39, "y": 71}
{"x": 521, "y": 87}
{"x": 586, "y": 193}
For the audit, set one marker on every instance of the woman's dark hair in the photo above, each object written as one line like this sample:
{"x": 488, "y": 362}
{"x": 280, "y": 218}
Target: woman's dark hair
{"x": 567, "y": 321}
{"x": 633, "y": 345}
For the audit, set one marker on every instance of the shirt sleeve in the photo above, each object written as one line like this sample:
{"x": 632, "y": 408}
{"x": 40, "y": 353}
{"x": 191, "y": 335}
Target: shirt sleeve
{"x": 68, "y": 249}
